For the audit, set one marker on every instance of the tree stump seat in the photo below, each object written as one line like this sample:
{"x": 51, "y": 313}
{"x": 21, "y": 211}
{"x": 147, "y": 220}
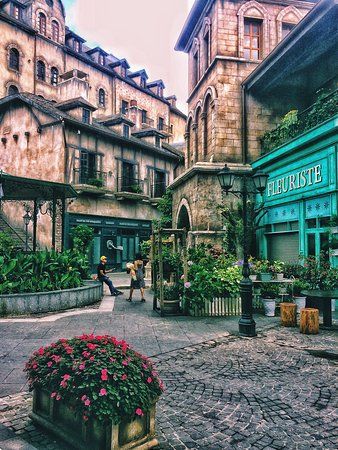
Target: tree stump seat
{"x": 309, "y": 321}
{"x": 288, "y": 314}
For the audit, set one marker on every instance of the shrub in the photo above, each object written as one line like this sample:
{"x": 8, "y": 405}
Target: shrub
{"x": 7, "y": 245}
{"x": 98, "y": 375}
{"x": 297, "y": 287}
{"x": 97, "y": 182}
{"x": 82, "y": 238}
{"x": 269, "y": 290}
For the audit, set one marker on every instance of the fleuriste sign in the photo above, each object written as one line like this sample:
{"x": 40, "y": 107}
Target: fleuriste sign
{"x": 295, "y": 181}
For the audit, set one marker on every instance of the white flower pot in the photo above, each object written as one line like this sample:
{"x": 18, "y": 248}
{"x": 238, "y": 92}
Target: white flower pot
{"x": 300, "y": 302}
{"x": 280, "y": 276}
{"x": 269, "y": 306}
{"x": 253, "y": 277}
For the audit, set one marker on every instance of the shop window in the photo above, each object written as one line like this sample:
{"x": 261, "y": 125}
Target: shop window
{"x": 55, "y": 31}
{"x": 42, "y": 24}
{"x": 311, "y": 244}
{"x": 252, "y": 39}
{"x": 126, "y": 130}
{"x": 294, "y": 226}
{"x": 311, "y": 223}
{"x": 12, "y": 90}
{"x": 286, "y": 28}
{"x": 54, "y": 76}
{"x": 324, "y": 222}
{"x": 102, "y": 98}
{"x": 41, "y": 71}
{"x": 14, "y": 59}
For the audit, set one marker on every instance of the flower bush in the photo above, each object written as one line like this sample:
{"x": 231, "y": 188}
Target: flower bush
{"x": 98, "y": 376}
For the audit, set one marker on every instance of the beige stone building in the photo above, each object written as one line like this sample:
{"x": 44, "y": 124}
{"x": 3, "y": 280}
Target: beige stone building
{"x": 78, "y": 115}
{"x": 225, "y": 40}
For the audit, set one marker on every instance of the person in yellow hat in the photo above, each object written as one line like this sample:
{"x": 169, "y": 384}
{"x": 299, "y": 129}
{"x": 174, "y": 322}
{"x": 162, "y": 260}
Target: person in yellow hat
{"x": 101, "y": 276}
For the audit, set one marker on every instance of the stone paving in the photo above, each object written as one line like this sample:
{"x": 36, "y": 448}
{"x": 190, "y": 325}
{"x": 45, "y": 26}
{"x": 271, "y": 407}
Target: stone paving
{"x": 276, "y": 391}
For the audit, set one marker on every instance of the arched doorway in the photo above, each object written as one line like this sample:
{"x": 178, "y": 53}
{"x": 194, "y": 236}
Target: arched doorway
{"x": 183, "y": 220}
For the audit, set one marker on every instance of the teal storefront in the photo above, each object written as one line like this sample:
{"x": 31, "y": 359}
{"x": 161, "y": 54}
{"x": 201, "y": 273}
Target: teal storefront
{"x": 111, "y": 233}
{"x": 301, "y": 195}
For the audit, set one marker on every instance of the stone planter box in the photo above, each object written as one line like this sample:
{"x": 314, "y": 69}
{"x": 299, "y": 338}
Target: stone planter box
{"x": 58, "y": 418}
{"x": 42, "y": 302}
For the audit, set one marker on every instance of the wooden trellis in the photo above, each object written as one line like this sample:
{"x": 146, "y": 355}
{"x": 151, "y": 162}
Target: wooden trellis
{"x": 178, "y": 238}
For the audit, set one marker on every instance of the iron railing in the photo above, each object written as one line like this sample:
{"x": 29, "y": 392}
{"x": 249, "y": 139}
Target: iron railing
{"x": 132, "y": 185}
{"x": 163, "y": 127}
{"x": 90, "y": 177}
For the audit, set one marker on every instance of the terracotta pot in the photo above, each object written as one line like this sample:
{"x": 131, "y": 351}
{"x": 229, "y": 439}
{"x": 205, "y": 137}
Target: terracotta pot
{"x": 59, "y": 418}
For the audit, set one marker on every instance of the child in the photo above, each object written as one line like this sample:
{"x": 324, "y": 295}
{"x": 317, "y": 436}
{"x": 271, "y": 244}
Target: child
{"x": 136, "y": 279}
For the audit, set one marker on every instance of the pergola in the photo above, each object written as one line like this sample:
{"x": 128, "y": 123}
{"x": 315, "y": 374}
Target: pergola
{"x": 39, "y": 192}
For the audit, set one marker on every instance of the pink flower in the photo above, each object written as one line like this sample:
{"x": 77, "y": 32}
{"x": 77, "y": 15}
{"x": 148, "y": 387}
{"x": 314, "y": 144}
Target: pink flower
{"x": 112, "y": 359}
{"x": 82, "y": 366}
{"x": 144, "y": 366}
{"x": 104, "y": 374}
{"x": 103, "y": 392}
{"x": 149, "y": 380}
{"x": 41, "y": 351}
{"x": 53, "y": 394}
{"x": 58, "y": 397}
{"x": 124, "y": 363}
{"x": 87, "y": 402}
{"x": 83, "y": 398}
{"x": 49, "y": 364}
{"x": 187, "y": 284}
{"x": 63, "y": 384}
{"x": 85, "y": 418}
{"x": 91, "y": 346}
{"x": 66, "y": 377}
{"x": 124, "y": 377}
{"x": 35, "y": 366}
{"x": 86, "y": 354}
{"x": 139, "y": 412}
{"x": 91, "y": 358}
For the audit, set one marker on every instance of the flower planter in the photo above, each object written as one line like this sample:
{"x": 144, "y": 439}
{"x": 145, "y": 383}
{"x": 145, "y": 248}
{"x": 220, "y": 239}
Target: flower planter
{"x": 265, "y": 276}
{"x": 59, "y": 418}
{"x": 171, "y": 306}
{"x": 300, "y": 302}
{"x": 269, "y": 306}
{"x": 279, "y": 276}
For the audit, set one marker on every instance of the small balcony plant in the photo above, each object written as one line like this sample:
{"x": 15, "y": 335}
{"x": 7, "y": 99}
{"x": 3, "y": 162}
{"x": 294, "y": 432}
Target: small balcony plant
{"x": 269, "y": 293}
{"x": 264, "y": 269}
{"x": 97, "y": 182}
{"x": 93, "y": 390}
{"x": 277, "y": 268}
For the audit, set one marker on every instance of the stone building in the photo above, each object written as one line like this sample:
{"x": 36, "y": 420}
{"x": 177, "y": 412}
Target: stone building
{"x": 78, "y": 115}
{"x": 225, "y": 40}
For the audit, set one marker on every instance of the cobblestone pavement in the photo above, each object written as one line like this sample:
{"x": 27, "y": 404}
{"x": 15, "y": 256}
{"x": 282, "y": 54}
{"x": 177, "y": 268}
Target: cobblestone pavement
{"x": 275, "y": 391}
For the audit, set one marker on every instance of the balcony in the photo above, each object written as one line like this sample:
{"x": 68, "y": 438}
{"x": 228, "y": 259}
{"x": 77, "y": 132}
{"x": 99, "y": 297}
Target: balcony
{"x": 294, "y": 124}
{"x": 130, "y": 188}
{"x": 90, "y": 182}
{"x": 147, "y": 122}
{"x": 164, "y": 128}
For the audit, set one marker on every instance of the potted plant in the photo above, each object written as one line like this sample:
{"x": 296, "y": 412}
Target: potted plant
{"x": 95, "y": 392}
{"x": 295, "y": 290}
{"x": 269, "y": 293}
{"x": 253, "y": 269}
{"x": 172, "y": 296}
{"x": 278, "y": 269}
{"x": 264, "y": 269}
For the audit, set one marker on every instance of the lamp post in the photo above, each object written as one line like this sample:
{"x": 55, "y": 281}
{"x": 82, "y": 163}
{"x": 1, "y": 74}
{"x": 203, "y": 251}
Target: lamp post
{"x": 226, "y": 178}
{"x": 26, "y": 218}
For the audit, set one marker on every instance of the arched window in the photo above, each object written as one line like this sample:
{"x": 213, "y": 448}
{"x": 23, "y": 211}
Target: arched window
{"x": 54, "y": 76}
{"x": 14, "y": 59}
{"x": 102, "y": 98}
{"x": 12, "y": 89}
{"x": 207, "y": 127}
{"x": 55, "y": 31}
{"x": 42, "y": 24}
{"x": 41, "y": 71}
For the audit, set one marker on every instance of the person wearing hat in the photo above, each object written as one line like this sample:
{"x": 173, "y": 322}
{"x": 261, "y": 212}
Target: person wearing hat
{"x": 101, "y": 275}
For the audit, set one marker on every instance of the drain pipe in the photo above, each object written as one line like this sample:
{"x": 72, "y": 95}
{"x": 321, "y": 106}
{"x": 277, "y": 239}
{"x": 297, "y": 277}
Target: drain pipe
{"x": 244, "y": 125}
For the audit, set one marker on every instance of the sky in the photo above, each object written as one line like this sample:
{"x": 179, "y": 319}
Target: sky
{"x": 142, "y": 31}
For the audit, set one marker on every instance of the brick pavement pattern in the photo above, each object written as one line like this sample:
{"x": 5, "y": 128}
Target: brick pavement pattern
{"x": 276, "y": 391}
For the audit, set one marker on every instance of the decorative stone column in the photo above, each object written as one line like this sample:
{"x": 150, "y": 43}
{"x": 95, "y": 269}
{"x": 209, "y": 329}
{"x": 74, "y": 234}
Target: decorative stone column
{"x": 187, "y": 146}
{"x": 194, "y": 127}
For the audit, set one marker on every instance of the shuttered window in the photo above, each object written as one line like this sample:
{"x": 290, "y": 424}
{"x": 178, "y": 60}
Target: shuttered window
{"x": 283, "y": 246}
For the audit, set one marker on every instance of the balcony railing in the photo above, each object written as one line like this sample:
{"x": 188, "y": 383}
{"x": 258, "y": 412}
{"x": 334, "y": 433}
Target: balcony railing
{"x": 147, "y": 122}
{"x": 95, "y": 178}
{"x": 164, "y": 128}
{"x": 131, "y": 185}
{"x": 157, "y": 190}
{"x": 294, "y": 124}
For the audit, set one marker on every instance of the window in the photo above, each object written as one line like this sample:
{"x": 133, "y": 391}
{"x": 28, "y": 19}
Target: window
{"x": 102, "y": 98}
{"x": 42, "y": 23}
{"x": 54, "y": 76}
{"x": 101, "y": 59}
{"x": 159, "y": 183}
{"x": 85, "y": 115}
{"x": 129, "y": 181}
{"x": 157, "y": 141}
{"x": 124, "y": 107}
{"x": 160, "y": 123}
{"x": 87, "y": 167}
{"x": 143, "y": 82}
{"x": 144, "y": 116}
{"x": 123, "y": 71}
{"x": 76, "y": 46}
{"x": 14, "y": 59}
{"x": 17, "y": 12}
{"x": 160, "y": 91}
{"x": 171, "y": 129}
{"x": 252, "y": 38}
{"x": 41, "y": 71}
{"x": 12, "y": 90}
{"x": 286, "y": 28}
{"x": 195, "y": 69}
{"x": 55, "y": 31}
{"x": 126, "y": 130}
{"x": 206, "y": 42}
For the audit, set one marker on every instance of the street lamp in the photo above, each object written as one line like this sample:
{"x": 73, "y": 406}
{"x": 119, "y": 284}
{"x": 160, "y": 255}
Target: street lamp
{"x": 226, "y": 178}
{"x": 26, "y": 218}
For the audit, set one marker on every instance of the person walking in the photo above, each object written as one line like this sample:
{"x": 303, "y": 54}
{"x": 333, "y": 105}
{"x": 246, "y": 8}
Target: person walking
{"x": 137, "y": 277}
{"x": 101, "y": 275}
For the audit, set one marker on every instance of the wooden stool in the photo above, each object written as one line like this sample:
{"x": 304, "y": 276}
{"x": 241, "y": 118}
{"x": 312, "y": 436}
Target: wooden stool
{"x": 309, "y": 321}
{"x": 288, "y": 314}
